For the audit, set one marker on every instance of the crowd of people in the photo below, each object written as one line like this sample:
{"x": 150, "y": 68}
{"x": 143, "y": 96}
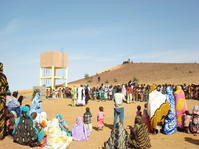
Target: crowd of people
{"x": 165, "y": 111}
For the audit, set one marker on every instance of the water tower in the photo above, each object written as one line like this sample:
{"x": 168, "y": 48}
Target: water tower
{"x": 50, "y": 63}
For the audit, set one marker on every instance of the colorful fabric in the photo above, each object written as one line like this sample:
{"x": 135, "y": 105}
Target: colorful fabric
{"x": 145, "y": 119}
{"x": 87, "y": 118}
{"x": 13, "y": 103}
{"x": 3, "y": 89}
{"x": 139, "y": 137}
{"x": 158, "y": 108}
{"x": 100, "y": 119}
{"x": 42, "y": 117}
{"x": 8, "y": 99}
{"x": 187, "y": 120}
{"x": 10, "y": 121}
{"x": 194, "y": 125}
{"x": 56, "y": 139}
{"x": 79, "y": 131}
{"x": 152, "y": 88}
{"x": 1, "y": 67}
{"x": 24, "y": 133}
{"x": 181, "y": 105}
{"x": 170, "y": 124}
{"x": 36, "y": 104}
{"x": 63, "y": 125}
{"x": 118, "y": 138}
{"x": 196, "y": 110}
{"x": 81, "y": 96}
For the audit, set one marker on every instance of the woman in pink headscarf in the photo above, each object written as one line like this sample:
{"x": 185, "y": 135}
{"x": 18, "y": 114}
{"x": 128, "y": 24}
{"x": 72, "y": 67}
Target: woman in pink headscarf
{"x": 181, "y": 105}
{"x": 80, "y": 132}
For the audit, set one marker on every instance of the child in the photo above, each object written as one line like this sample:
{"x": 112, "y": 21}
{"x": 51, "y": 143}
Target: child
{"x": 187, "y": 120}
{"x": 145, "y": 117}
{"x": 100, "y": 118}
{"x": 139, "y": 113}
{"x": 34, "y": 116}
{"x": 87, "y": 119}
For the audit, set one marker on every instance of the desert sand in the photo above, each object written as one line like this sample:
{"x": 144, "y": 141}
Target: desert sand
{"x": 178, "y": 140}
{"x": 147, "y": 73}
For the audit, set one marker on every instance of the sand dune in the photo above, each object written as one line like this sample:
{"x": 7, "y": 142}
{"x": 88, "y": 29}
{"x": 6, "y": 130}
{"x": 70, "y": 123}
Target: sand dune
{"x": 148, "y": 73}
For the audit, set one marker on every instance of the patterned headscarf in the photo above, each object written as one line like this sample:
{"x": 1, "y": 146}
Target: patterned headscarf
{"x": 1, "y": 66}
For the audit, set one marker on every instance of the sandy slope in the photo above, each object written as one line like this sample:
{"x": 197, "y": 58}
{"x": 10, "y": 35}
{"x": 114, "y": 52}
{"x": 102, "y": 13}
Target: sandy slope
{"x": 149, "y": 73}
{"x": 160, "y": 141}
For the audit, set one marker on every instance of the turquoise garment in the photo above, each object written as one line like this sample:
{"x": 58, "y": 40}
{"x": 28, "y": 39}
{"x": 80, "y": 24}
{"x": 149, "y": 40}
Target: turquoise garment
{"x": 25, "y": 109}
{"x": 63, "y": 125}
{"x": 40, "y": 134}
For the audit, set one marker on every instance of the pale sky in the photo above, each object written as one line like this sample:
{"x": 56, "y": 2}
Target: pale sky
{"x": 96, "y": 34}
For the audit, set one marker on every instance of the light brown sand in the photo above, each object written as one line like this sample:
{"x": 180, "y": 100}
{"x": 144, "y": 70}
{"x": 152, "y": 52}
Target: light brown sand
{"x": 52, "y": 107}
{"x": 147, "y": 73}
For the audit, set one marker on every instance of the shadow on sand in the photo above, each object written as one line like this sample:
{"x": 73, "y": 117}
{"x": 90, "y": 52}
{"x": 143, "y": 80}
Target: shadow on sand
{"x": 95, "y": 128}
{"x": 110, "y": 126}
{"x": 191, "y": 140}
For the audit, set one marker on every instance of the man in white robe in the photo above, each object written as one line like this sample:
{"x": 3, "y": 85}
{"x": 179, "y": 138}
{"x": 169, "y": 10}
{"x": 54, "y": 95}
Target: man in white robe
{"x": 81, "y": 96}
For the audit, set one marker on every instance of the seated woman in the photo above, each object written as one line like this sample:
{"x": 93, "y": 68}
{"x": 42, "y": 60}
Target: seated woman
{"x": 56, "y": 139}
{"x": 24, "y": 133}
{"x": 194, "y": 125}
{"x": 11, "y": 118}
{"x": 43, "y": 124}
{"x": 80, "y": 132}
{"x": 139, "y": 137}
{"x": 14, "y": 105}
{"x": 118, "y": 138}
{"x": 63, "y": 125}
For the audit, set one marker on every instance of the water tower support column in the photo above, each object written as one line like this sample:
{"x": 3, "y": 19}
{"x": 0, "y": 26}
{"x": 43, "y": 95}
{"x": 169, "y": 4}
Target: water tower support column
{"x": 41, "y": 76}
{"x": 53, "y": 77}
{"x": 66, "y": 76}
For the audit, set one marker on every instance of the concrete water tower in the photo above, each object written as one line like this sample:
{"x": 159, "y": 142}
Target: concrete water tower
{"x": 50, "y": 62}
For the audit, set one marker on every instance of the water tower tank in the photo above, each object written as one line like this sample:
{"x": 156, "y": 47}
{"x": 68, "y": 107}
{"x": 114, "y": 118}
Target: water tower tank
{"x": 50, "y": 62}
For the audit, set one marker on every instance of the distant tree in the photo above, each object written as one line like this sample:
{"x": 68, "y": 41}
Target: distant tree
{"x": 190, "y": 71}
{"x": 106, "y": 81}
{"x": 135, "y": 79}
{"x": 86, "y": 76}
{"x": 90, "y": 79}
{"x": 115, "y": 80}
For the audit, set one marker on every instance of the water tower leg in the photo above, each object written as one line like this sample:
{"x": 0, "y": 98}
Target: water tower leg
{"x": 66, "y": 76}
{"x": 40, "y": 76}
{"x": 53, "y": 77}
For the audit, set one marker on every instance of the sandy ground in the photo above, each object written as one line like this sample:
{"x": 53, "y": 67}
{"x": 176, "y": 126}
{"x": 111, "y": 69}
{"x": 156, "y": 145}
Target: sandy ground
{"x": 52, "y": 107}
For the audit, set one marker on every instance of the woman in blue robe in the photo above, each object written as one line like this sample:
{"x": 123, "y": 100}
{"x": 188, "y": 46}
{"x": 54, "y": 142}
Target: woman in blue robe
{"x": 36, "y": 103}
{"x": 170, "y": 124}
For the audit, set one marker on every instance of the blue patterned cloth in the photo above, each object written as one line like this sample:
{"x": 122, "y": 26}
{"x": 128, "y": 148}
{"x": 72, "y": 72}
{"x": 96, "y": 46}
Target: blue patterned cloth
{"x": 170, "y": 124}
{"x": 36, "y": 104}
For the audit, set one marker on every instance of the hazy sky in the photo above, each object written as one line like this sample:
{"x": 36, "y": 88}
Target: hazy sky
{"x": 95, "y": 33}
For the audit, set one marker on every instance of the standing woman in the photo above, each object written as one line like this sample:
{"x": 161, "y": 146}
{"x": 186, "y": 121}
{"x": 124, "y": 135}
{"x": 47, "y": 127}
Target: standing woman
{"x": 181, "y": 106}
{"x": 36, "y": 102}
{"x": 170, "y": 124}
{"x": 3, "y": 88}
